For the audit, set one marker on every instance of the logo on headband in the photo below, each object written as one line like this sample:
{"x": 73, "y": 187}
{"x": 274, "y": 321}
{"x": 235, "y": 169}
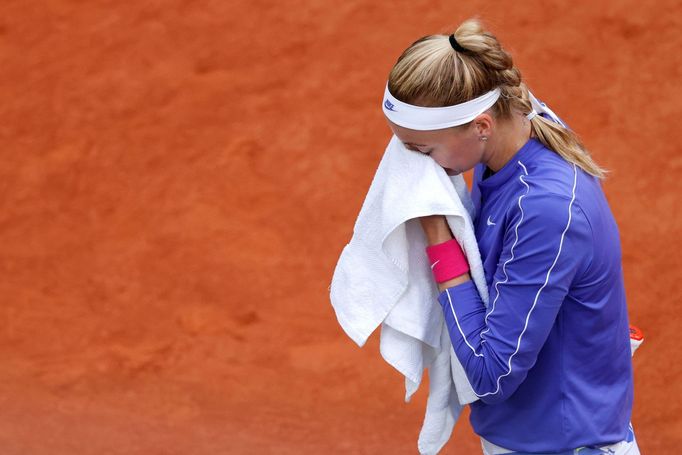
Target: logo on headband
{"x": 388, "y": 105}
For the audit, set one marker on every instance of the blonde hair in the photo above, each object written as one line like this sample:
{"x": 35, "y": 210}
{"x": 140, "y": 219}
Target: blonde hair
{"x": 431, "y": 73}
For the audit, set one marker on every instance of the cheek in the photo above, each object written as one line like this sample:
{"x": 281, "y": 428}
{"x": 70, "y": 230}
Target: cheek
{"x": 463, "y": 156}
{"x": 474, "y": 155}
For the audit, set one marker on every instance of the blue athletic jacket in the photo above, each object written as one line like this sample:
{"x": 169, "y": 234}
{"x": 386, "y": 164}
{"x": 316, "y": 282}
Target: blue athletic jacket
{"x": 550, "y": 357}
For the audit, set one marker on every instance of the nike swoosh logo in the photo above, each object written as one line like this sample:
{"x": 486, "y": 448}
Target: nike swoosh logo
{"x": 389, "y": 106}
{"x": 490, "y": 223}
{"x": 434, "y": 264}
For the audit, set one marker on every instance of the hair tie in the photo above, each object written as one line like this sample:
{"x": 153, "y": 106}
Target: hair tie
{"x": 455, "y": 45}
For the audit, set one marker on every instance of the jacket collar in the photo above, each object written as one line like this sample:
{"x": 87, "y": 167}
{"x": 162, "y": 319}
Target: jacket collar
{"x": 511, "y": 169}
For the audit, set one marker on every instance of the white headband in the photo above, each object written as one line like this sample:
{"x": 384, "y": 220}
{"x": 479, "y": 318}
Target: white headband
{"x": 434, "y": 118}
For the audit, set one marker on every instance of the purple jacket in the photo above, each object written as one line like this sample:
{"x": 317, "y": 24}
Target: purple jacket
{"x": 550, "y": 358}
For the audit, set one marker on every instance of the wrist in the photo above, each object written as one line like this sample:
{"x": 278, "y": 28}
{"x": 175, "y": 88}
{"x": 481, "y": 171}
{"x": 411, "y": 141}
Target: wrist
{"x": 447, "y": 261}
{"x": 454, "y": 282}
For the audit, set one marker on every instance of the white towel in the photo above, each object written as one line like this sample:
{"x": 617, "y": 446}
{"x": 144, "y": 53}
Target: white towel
{"x": 383, "y": 277}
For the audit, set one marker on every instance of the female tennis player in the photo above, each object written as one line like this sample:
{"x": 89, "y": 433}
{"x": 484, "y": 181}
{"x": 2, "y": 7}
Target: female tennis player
{"x": 549, "y": 359}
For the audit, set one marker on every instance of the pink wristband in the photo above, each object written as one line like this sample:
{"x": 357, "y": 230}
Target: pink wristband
{"x": 447, "y": 260}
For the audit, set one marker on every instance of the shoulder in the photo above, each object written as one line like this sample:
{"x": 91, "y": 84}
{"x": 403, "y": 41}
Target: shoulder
{"x": 550, "y": 174}
{"x": 541, "y": 220}
{"x": 545, "y": 181}
{"x": 543, "y": 225}
{"x": 546, "y": 214}
{"x": 550, "y": 208}
{"x": 548, "y": 184}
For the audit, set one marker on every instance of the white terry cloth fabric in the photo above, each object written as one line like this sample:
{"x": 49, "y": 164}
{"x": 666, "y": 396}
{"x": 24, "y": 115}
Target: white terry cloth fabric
{"x": 383, "y": 277}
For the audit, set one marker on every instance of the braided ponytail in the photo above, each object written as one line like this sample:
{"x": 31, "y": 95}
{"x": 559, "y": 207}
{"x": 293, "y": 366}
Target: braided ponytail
{"x": 431, "y": 73}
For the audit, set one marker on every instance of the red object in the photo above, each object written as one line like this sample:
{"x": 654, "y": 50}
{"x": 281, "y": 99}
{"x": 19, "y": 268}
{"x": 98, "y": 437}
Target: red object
{"x": 447, "y": 260}
{"x": 636, "y": 333}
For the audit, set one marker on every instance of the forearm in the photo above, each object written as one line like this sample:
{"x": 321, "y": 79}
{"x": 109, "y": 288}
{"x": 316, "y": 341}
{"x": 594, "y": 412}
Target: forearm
{"x": 437, "y": 231}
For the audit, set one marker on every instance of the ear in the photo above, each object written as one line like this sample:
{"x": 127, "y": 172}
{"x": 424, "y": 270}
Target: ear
{"x": 483, "y": 124}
